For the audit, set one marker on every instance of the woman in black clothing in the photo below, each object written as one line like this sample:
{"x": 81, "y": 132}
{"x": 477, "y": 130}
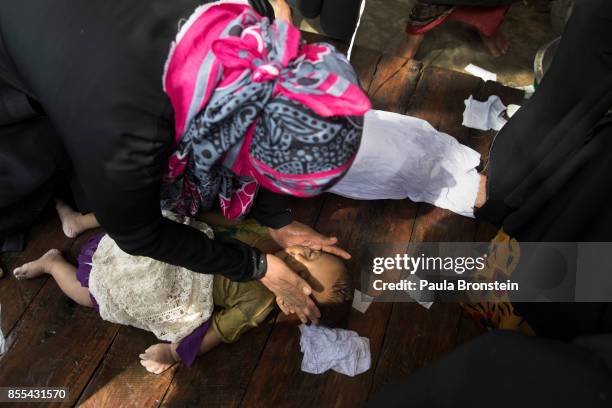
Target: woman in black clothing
{"x": 81, "y": 91}
{"x": 550, "y": 167}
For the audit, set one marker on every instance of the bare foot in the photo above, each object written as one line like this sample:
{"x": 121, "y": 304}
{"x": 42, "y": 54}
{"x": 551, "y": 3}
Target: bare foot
{"x": 159, "y": 357}
{"x": 71, "y": 224}
{"x": 481, "y": 197}
{"x": 496, "y": 44}
{"x": 409, "y": 48}
{"x": 36, "y": 268}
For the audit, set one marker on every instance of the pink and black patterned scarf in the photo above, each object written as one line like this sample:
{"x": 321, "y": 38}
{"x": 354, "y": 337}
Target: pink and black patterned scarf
{"x": 254, "y": 106}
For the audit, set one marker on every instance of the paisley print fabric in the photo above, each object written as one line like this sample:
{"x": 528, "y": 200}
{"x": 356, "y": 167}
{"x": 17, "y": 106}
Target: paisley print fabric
{"x": 254, "y": 106}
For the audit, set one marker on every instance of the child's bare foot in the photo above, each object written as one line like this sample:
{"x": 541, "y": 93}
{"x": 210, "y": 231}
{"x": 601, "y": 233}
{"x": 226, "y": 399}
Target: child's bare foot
{"x": 496, "y": 44}
{"x": 159, "y": 357}
{"x": 410, "y": 46}
{"x": 71, "y": 224}
{"x": 38, "y": 267}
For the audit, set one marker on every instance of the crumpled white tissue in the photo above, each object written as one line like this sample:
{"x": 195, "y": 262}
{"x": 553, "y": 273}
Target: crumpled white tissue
{"x": 484, "y": 115}
{"x": 343, "y": 351}
{"x": 2, "y": 339}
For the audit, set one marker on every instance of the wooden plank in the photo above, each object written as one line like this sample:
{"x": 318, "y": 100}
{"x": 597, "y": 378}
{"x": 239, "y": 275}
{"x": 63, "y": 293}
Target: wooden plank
{"x": 16, "y": 296}
{"x": 278, "y": 380}
{"x": 416, "y": 336}
{"x": 120, "y": 380}
{"x": 57, "y": 343}
{"x": 220, "y": 378}
{"x": 365, "y": 62}
{"x": 394, "y": 83}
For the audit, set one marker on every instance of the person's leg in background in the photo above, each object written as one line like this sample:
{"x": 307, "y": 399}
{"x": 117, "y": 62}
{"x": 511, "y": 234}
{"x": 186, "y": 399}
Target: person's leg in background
{"x": 31, "y": 159}
{"x": 31, "y": 155}
{"x": 422, "y": 18}
{"x": 485, "y": 17}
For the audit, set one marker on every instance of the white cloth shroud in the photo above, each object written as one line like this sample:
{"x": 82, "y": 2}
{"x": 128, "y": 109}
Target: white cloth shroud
{"x": 334, "y": 349}
{"x": 484, "y": 115}
{"x": 405, "y": 157}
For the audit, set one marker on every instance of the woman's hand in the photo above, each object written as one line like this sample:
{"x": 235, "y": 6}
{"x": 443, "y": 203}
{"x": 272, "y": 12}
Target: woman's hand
{"x": 292, "y": 292}
{"x": 297, "y": 233}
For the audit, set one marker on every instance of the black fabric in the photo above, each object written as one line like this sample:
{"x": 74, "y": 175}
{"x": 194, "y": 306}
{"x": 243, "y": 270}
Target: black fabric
{"x": 272, "y": 210}
{"x": 338, "y": 17}
{"x": 31, "y": 159}
{"x": 307, "y": 8}
{"x": 263, "y": 7}
{"x": 505, "y": 369}
{"x": 95, "y": 68}
{"x": 550, "y": 167}
{"x": 550, "y": 164}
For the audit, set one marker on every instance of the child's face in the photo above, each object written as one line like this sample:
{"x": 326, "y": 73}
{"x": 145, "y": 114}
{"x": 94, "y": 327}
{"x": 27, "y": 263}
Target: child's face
{"x": 320, "y": 269}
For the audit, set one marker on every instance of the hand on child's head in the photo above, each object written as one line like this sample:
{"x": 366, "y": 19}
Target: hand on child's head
{"x": 326, "y": 274}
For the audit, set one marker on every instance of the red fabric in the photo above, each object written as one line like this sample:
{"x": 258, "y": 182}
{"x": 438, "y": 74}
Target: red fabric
{"x": 484, "y": 19}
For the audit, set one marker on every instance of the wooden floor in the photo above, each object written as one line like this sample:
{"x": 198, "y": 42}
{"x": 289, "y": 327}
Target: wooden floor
{"x": 53, "y": 342}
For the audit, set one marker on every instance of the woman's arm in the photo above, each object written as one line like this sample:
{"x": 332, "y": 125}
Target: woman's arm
{"x": 129, "y": 211}
{"x": 132, "y": 217}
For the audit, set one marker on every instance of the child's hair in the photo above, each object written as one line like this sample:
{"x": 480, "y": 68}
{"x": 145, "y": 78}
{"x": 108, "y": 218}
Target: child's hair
{"x": 335, "y": 309}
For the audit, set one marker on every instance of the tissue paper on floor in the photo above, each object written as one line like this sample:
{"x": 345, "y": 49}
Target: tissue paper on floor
{"x": 343, "y": 351}
{"x": 484, "y": 115}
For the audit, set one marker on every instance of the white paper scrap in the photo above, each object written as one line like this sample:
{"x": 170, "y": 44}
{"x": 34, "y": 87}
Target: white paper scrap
{"x": 426, "y": 305}
{"x": 361, "y": 301}
{"x": 481, "y": 72}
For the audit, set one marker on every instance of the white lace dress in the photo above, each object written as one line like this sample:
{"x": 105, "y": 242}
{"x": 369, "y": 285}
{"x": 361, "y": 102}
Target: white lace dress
{"x": 168, "y": 300}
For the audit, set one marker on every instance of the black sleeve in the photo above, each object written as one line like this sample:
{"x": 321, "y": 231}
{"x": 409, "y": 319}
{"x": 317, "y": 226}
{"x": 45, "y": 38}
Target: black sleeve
{"x": 103, "y": 95}
{"x": 133, "y": 219}
{"x": 271, "y": 209}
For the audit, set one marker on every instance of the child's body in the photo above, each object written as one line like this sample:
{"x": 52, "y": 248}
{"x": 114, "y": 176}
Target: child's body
{"x": 174, "y": 303}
